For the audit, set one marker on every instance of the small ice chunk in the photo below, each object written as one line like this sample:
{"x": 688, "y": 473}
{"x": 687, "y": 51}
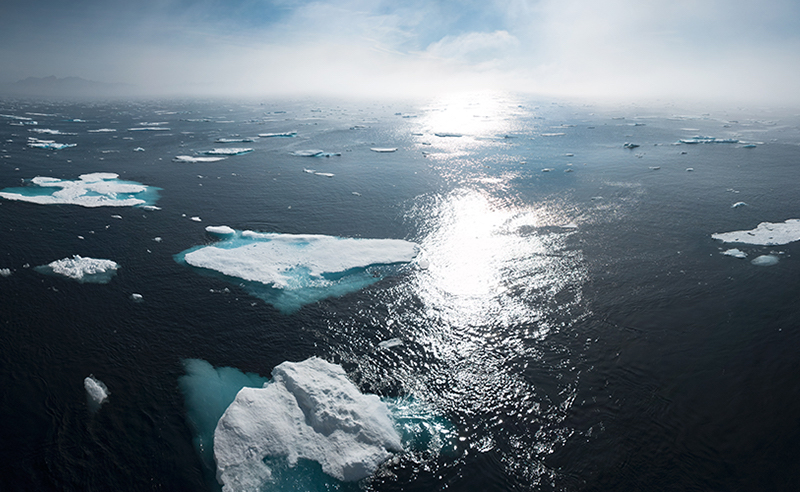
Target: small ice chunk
{"x": 230, "y": 151}
{"x": 157, "y": 239}
{"x": 197, "y": 219}
{"x": 138, "y": 149}
{"x": 765, "y": 260}
{"x": 234, "y": 140}
{"x": 5, "y": 272}
{"x": 689, "y": 169}
{"x": 448, "y": 135}
{"x": 390, "y": 343}
{"x": 383, "y": 149}
{"x": 149, "y": 129}
{"x": 82, "y": 269}
{"x": 738, "y": 204}
{"x": 629, "y": 145}
{"x": 310, "y": 410}
{"x": 282, "y": 134}
{"x": 559, "y": 134}
{"x": 547, "y": 169}
{"x": 765, "y": 234}
{"x": 327, "y": 175}
{"x": 47, "y": 144}
{"x": 189, "y": 158}
{"x": 315, "y": 153}
{"x": 116, "y": 216}
{"x": 136, "y": 297}
{"x": 102, "y": 130}
{"x": 95, "y": 389}
{"x": 222, "y": 230}
{"x": 736, "y": 253}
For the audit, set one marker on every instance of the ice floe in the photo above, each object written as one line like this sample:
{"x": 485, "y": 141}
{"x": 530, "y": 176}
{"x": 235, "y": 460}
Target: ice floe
{"x": 289, "y": 270}
{"x": 82, "y": 269}
{"x": 765, "y": 234}
{"x": 234, "y": 140}
{"x": 315, "y": 153}
{"x": 765, "y": 260}
{"x": 312, "y": 411}
{"x": 149, "y": 129}
{"x": 91, "y": 190}
{"x": 102, "y": 130}
{"x": 629, "y": 145}
{"x": 220, "y": 230}
{"x": 736, "y": 253}
{"x": 47, "y": 144}
{"x": 279, "y": 135}
{"x": 189, "y": 158}
{"x": 230, "y": 151}
{"x": 96, "y": 391}
{"x": 738, "y": 205}
{"x": 48, "y": 131}
{"x": 701, "y": 139}
{"x": 5, "y": 272}
{"x": 383, "y": 149}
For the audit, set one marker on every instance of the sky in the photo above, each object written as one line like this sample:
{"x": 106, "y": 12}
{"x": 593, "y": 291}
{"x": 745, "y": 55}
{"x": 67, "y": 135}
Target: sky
{"x": 732, "y": 50}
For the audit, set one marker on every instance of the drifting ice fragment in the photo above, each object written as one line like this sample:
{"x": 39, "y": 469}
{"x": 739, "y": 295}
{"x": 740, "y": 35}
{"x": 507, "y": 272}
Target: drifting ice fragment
{"x": 310, "y": 411}
{"x": 91, "y": 190}
{"x": 736, "y": 253}
{"x": 95, "y": 390}
{"x": 738, "y": 204}
{"x": 448, "y": 135}
{"x": 189, "y": 158}
{"x": 138, "y": 149}
{"x": 392, "y": 342}
{"x": 234, "y": 140}
{"x": 220, "y": 230}
{"x": 560, "y": 134}
{"x": 102, "y": 130}
{"x": 5, "y": 272}
{"x": 197, "y": 219}
{"x": 231, "y": 151}
{"x": 765, "y": 260}
{"x": 284, "y": 135}
{"x": 383, "y": 149}
{"x": 315, "y": 153}
{"x": 765, "y": 234}
{"x": 149, "y": 129}
{"x": 136, "y": 297}
{"x": 289, "y": 270}
{"x": 82, "y": 269}
{"x": 629, "y": 145}
{"x": 47, "y": 144}
{"x": 701, "y": 139}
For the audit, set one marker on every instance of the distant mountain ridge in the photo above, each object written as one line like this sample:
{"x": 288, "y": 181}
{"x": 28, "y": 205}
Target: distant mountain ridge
{"x": 53, "y": 86}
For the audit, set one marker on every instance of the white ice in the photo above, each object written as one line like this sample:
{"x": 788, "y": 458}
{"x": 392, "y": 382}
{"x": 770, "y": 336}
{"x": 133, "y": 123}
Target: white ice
{"x": 275, "y": 259}
{"x": 220, "y": 230}
{"x": 765, "y": 260}
{"x": 315, "y": 153}
{"x": 82, "y": 269}
{"x": 189, "y": 158}
{"x": 234, "y": 140}
{"x": 701, "y": 139}
{"x": 310, "y": 410}
{"x": 766, "y": 234}
{"x": 47, "y": 144}
{"x": 91, "y": 190}
{"x": 149, "y": 129}
{"x": 284, "y": 134}
{"x": 95, "y": 389}
{"x": 383, "y": 149}
{"x": 736, "y": 253}
{"x": 230, "y": 151}
{"x": 102, "y": 130}
{"x": 5, "y": 272}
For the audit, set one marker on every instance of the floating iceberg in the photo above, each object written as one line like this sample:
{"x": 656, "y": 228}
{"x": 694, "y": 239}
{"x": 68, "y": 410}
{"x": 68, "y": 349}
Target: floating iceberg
{"x": 765, "y": 234}
{"x": 5, "y": 272}
{"x": 279, "y": 135}
{"x": 765, "y": 260}
{"x": 312, "y": 411}
{"x": 289, "y": 270}
{"x": 231, "y": 151}
{"x": 189, "y": 158}
{"x": 47, "y": 144}
{"x": 383, "y": 149}
{"x": 95, "y": 389}
{"x": 82, "y": 269}
{"x": 700, "y": 139}
{"x": 234, "y": 140}
{"x": 305, "y": 444}
{"x": 220, "y": 230}
{"x": 315, "y": 153}
{"x": 91, "y": 190}
{"x": 736, "y": 253}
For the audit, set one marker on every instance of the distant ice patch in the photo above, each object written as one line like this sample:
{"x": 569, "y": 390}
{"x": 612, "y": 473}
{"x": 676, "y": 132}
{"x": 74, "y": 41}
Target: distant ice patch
{"x": 765, "y": 234}
{"x": 278, "y": 135}
{"x": 5, "y": 272}
{"x": 383, "y": 150}
{"x": 230, "y": 151}
{"x": 701, "y": 139}
{"x": 82, "y": 269}
{"x": 91, "y": 190}
{"x": 736, "y": 253}
{"x": 102, "y": 130}
{"x": 234, "y": 140}
{"x": 220, "y": 230}
{"x": 315, "y": 153}
{"x": 47, "y": 144}
{"x": 289, "y": 270}
{"x": 96, "y": 392}
{"x": 189, "y": 158}
{"x": 149, "y": 129}
{"x": 50, "y": 131}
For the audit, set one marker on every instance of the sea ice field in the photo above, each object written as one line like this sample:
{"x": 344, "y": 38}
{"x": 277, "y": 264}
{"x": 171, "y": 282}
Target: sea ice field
{"x": 483, "y": 291}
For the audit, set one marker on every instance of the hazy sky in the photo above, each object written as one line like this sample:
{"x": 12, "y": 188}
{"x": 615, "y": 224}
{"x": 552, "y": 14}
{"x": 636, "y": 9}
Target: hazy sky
{"x": 726, "y": 49}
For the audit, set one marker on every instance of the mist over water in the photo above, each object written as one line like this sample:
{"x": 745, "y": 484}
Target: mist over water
{"x": 572, "y": 319}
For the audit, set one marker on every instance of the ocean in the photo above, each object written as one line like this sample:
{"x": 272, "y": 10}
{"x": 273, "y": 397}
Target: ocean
{"x": 567, "y": 321}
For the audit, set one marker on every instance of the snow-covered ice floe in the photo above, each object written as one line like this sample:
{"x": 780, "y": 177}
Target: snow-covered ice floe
{"x": 5, "y": 272}
{"x": 736, "y": 253}
{"x": 230, "y": 151}
{"x": 764, "y": 260}
{"x": 308, "y": 428}
{"x": 289, "y": 271}
{"x": 82, "y": 269}
{"x": 47, "y": 144}
{"x": 50, "y": 131}
{"x": 189, "y": 158}
{"x": 96, "y": 391}
{"x": 382, "y": 150}
{"x": 234, "y": 140}
{"x": 278, "y": 135}
{"x": 701, "y": 139}
{"x": 315, "y": 153}
{"x": 91, "y": 190}
{"x": 765, "y": 234}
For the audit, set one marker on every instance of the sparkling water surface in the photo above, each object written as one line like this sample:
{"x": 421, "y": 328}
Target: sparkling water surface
{"x": 569, "y": 318}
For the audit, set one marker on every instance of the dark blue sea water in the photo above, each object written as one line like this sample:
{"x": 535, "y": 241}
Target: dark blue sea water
{"x": 577, "y": 326}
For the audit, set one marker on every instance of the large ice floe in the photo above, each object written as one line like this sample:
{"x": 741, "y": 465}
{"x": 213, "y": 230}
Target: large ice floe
{"x": 90, "y": 190}
{"x": 82, "y": 269}
{"x": 309, "y": 428}
{"x": 96, "y": 392}
{"x": 289, "y": 271}
{"x": 765, "y": 234}
{"x": 47, "y": 144}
